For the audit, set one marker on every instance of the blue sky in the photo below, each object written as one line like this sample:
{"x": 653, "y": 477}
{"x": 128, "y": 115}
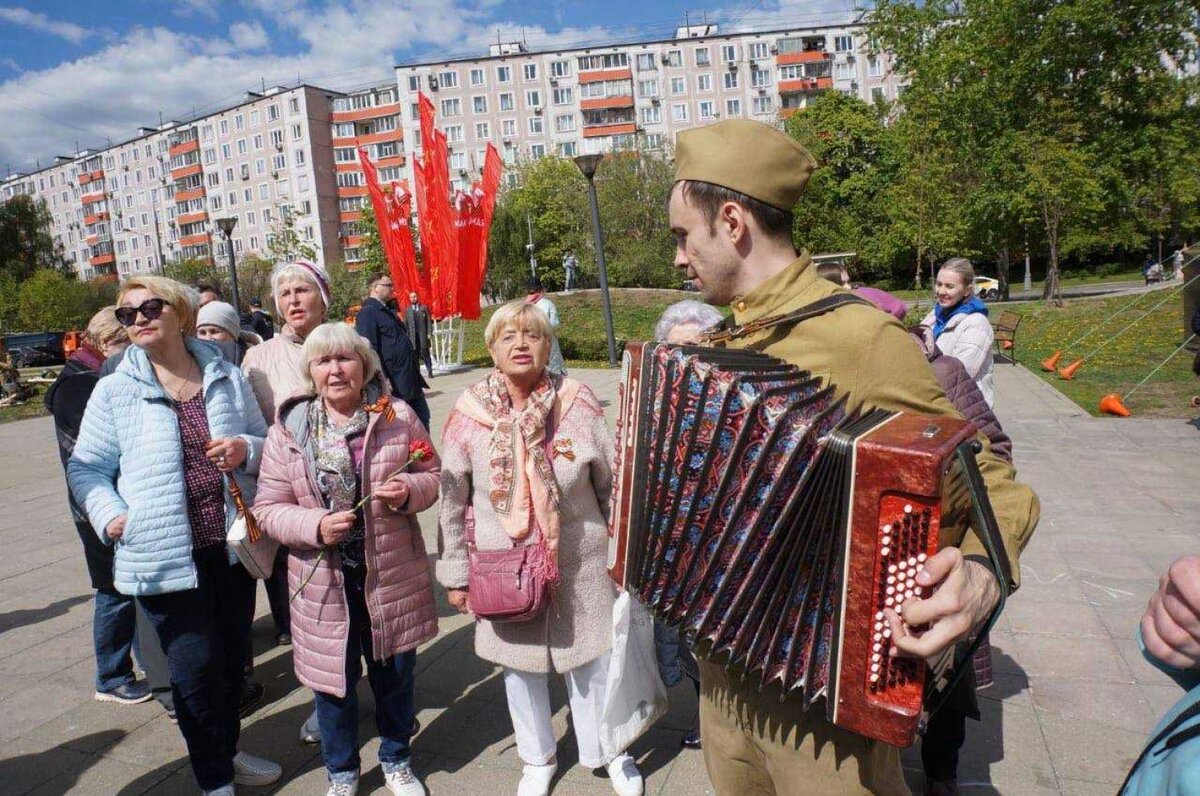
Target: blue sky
{"x": 92, "y": 71}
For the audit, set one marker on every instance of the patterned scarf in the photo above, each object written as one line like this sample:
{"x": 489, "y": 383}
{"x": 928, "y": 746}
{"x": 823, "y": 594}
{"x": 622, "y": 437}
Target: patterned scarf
{"x": 521, "y": 484}
{"x": 336, "y": 474}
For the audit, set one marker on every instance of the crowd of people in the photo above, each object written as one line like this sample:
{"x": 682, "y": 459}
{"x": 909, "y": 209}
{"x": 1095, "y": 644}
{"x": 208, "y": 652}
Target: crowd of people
{"x": 172, "y": 411}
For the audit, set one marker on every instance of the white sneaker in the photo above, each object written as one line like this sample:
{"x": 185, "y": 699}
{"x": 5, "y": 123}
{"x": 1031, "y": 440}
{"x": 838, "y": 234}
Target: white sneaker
{"x": 343, "y": 788}
{"x": 625, "y": 777}
{"x": 402, "y": 781}
{"x": 254, "y": 771}
{"x": 535, "y": 781}
{"x": 226, "y": 790}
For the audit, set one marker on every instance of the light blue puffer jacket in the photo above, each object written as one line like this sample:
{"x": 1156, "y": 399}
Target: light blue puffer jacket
{"x": 129, "y": 460}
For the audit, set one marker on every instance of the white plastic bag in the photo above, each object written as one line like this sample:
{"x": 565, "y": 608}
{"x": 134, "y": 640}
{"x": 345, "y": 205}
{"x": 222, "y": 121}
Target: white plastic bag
{"x": 635, "y": 697}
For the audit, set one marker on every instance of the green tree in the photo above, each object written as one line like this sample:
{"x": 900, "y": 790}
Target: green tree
{"x": 346, "y": 289}
{"x": 26, "y": 243}
{"x": 284, "y": 242}
{"x": 374, "y": 260}
{"x": 197, "y": 271}
{"x": 254, "y": 280}
{"x": 49, "y": 301}
{"x": 632, "y": 187}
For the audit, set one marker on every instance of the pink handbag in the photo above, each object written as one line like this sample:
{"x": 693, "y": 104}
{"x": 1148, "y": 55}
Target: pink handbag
{"x": 511, "y": 585}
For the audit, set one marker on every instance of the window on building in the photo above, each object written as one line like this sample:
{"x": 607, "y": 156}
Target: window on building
{"x": 730, "y": 80}
{"x": 454, "y": 134}
{"x": 210, "y": 157}
{"x": 239, "y": 123}
{"x": 297, "y": 132}
{"x": 678, "y": 85}
{"x": 560, "y": 69}
{"x": 477, "y": 77}
{"x": 248, "y": 193}
{"x": 294, "y": 105}
{"x": 533, "y": 99}
{"x": 877, "y": 94}
{"x": 842, "y": 71}
{"x": 651, "y": 114}
{"x": 679, "y": 112}
{"x": 535, "y": 125}
{"x": 229, "y": 174}
{"x": 279, "y": 161}
{"x": 479, "y": 104}
{"x": 874, "y": 67}
{"x": 843, "y": 43}
{"x": 241, "y": 146}
{"x": 648, "y": 88}
{"x": 703, "y": 57}
{"x": 529, "y": 72}
{"x": 568, "y": 149}
{"x": 448, "y": 79}
{"x": 508, "y": 128}
{"x": 283, "y": 189}
{"x": 763, "y": 105}
{"x": 452, "y": 107}
{"x": 733, "y": 107}
{"x": 760, "y": 78}
{"x": 272, "y": 113}
{"x": 298, "y": 156}
{"x": 563, "y": 96}
{"x": 214, "y": 179}
{"x": 503, "y": 74}
{"x": 537, "y": 151}
{"x": 604, "y": 61}
{"x": 302, "y": 183}
{"x": 226, "y": 151}
{"x": 506, "y": 102}
{"x": 704, "y": 82}
{"x": 645, "y": 62}
{"x": 232, "y": 198}
{"x": 708, "y": 109}
{"x": 673, "y": 58}
{"x": 483, "y": 130}
{"x": 729, "y": 53}
{"x": 253, "y": 118}
{"x": 206, "y": 132}
{"x": 759, "y": 50}
{"x": 414, "y": 83}
{"x": 564, "y": 123}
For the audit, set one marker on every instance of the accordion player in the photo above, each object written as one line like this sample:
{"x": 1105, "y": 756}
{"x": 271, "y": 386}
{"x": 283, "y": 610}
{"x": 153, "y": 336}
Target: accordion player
{"x": 777, "y": 531}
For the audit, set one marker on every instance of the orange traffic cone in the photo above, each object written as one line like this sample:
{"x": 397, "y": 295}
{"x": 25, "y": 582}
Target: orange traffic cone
{"x": 1006, "y": 345}
{"x": 1051, "y": 362}
{"x": 1069, "y": 371}
{"x": 1111, "y": 405}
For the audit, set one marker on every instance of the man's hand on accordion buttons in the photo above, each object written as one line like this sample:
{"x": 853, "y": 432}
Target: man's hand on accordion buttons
{"x": 966, "y": 594}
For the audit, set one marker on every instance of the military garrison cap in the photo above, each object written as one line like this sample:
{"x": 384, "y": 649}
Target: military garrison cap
{"x": 748, "y": 157}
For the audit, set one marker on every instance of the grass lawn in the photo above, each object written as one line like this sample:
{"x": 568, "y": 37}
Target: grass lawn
{"x": 31, "y": 408}
{"x": 1119, "y": 364}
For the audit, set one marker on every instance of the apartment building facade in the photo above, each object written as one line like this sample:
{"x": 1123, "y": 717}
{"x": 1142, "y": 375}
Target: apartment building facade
{"x": 155, "y": 198}
{"x": 579, "y": 101}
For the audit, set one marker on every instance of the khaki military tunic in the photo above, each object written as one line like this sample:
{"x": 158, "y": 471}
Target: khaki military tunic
{"x": 753, "y": 742}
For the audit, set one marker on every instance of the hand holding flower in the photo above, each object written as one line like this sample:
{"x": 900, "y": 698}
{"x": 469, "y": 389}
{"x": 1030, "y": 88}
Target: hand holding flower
{"x": 393, "y": 493}
{"x": 335, "y": 527}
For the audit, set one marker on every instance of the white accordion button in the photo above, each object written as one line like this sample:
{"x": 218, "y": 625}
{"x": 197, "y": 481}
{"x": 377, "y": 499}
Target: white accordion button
{"x": 908, "y": 508}
{"x": 883, "y": 552}
{"x": 921, "y": 558}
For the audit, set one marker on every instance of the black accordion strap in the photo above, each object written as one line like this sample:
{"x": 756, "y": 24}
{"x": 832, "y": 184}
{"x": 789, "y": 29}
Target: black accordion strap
{"x": 726, "y": 330}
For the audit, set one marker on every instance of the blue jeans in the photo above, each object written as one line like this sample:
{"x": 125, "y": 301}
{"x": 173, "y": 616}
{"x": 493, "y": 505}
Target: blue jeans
{"x": 204, "y": 633}
{"x": 392, "y": 682}
{"x": 113, "y": 637}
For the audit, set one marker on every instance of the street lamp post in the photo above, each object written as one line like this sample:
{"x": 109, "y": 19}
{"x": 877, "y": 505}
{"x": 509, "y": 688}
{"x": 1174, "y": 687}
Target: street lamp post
{"x": 226, "y": 225}
{"x": 588, "y": 164}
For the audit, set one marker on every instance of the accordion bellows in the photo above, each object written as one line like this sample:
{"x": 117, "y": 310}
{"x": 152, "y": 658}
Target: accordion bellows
{"x": 773, "y": 529}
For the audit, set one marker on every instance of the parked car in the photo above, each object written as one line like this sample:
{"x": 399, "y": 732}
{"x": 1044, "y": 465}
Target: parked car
{"x": 35, "y": 349}
{"x": 987, "y": 288}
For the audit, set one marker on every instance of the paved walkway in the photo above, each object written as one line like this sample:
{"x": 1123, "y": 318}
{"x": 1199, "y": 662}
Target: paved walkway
{"x": 1071, "y": 706}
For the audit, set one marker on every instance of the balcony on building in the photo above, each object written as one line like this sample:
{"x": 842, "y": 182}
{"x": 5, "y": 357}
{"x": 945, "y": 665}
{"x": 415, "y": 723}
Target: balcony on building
{"x": 366, "y": 105}
{"x": 599, "y": 67}
{"x": 801, "y": 50}
{"x": 91, "y": 171}
{"x": 182, "y": 142}
{"x": 370, "y": 131}
{"x": 185, "y": 164}
{"x": 797, "y": 78}
{"x": 197, "y": 250}
{"x": 609, "y": 121}
{"x": 597, "y": 95}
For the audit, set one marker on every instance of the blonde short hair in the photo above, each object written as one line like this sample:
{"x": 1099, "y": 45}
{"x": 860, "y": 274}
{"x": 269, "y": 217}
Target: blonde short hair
{"x": 105, "y": 328}
{"x": 338, "y": 338}
{"x": 520, "y": 314}
{"x": 961, "y": 266}
{"x": 182, "y": 298}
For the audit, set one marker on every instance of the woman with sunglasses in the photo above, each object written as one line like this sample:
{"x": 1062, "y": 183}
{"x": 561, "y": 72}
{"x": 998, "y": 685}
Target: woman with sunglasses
{"x": 158, "y": 438}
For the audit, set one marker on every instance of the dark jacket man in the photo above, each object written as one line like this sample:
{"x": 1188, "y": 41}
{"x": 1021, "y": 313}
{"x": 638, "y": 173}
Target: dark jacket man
{"x": 420, "y": 330}
{"x": 378, "y": 323}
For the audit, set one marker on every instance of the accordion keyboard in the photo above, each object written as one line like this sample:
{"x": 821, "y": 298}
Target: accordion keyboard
{"x": 907, "y": 537}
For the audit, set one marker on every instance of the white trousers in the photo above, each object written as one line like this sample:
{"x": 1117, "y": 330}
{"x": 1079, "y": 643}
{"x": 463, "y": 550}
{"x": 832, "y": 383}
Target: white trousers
{"x": 529, "y": 706}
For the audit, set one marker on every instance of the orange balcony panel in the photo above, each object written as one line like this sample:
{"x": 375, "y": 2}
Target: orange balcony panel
{"x": 200, "y": 239}
{"x": 805, "y": 84}
{"x": 365, "y": 113}
{"x": 103, "y": 259}
{"x": 352, "y": 240}
{"x": 186, "y": 171}
{"x": 600, "y": 103}
{"x": 358, "y": 190}
{"x": 387, "y": 163}
{"x": 352, "y": 215}
{"x": 809, "y": 57}
{"x": 343, "y": 168}
{"x": 192, "y": 218}
{"x": 381, "y": 138}
{"x": 92, "y": 240}
{"x": 595, "y": 76}
{"x": 92, "y": 176}
{"x": 94, "y": 219}
{"x": 187, "y": 196}
{"x": 609, "y": 129}
{"x": 184, "y": 148}
{"x": 89, "y": 198}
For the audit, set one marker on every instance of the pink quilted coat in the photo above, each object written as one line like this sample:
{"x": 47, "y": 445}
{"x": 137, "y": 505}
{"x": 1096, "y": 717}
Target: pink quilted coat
{"x": 399, "y": 587}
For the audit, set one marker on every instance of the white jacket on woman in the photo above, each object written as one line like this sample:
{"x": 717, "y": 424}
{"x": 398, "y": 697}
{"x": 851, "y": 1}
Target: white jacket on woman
{"x": 969, "y": 339}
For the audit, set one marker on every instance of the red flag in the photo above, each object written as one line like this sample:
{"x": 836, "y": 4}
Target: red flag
{"x": 468, "y": 219}
{"x": 391, "y": 217}
{"x": 438, "y": 241}
{"x": 491, "y": 187}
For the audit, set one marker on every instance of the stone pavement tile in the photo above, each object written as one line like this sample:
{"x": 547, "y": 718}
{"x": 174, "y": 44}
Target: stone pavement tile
{"x": 1012, "y": 689}
{"x": 29, "y": 763}
{"x": 662, "y": 760}
{"x": 33, "y": 707}
{"x": 476, "y": 778}
{"x": 19, "y": 639}
{"x": 1095, "y": 659}
{"x": 686, "y": 776}
{"x": 92, "y": 727}
{"x": 1143, "y": 672}
{"x": 1078, "y": 787}
{"x": 1054, "y": 584}
{"x": 153, "y": 744}
{"x": 52, "y": 655}
{"x": 1104, "y": 591}
{"x": 105, "y": 776}
{"x": 1161, "y": 698}
{"x": 1069, "y": 618}
{"x": 1103, "y": 565}
{"x": 484, "y": 735}
{"x": 1120, "y": 705}
{"x": 1005, "y": 750}
{"x": 456, "y": 675}
{"x": 1158, "y": 552}
{"x": 1091, "y": 752}
{"x": 12, "y": 683}
{"x": 1121, "y": 619}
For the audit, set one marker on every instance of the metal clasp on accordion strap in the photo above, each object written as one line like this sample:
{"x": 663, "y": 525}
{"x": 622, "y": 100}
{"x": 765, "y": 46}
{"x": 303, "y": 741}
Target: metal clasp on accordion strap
{"x": 719, "y": 335}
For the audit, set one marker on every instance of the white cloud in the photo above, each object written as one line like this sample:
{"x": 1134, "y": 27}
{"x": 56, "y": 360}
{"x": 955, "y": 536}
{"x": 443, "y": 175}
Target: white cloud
{"x": 204, "y": 8}
{"x": 11, "y": 64}
{"x": 785, "y": 14}
{"x": 34, "y": 20}
{"x": 248, "y": 36}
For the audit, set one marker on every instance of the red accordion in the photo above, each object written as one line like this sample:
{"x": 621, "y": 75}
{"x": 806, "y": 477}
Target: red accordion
{"x": 773, "y": 529}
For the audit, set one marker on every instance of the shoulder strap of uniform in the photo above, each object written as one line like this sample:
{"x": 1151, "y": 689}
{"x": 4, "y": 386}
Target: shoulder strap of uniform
{"x": 726, "y": 330}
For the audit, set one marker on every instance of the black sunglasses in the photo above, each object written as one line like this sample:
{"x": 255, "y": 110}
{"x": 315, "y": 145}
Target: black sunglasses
{"x": 151, "y": 310}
